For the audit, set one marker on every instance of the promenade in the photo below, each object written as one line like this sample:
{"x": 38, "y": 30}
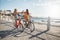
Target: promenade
{"x": 42, "y": 32}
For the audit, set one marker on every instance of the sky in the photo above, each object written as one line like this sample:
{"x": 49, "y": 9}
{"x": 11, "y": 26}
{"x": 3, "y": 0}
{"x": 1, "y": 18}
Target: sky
{"x": 37, "y": 8}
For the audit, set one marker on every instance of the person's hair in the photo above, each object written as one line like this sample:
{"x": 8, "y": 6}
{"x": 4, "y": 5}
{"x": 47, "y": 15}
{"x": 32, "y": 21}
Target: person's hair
{"x": 27, "y": 11}
{"x": 15, "y": 10}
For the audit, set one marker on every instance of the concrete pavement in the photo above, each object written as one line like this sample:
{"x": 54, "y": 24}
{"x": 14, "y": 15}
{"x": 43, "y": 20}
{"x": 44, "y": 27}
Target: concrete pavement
{"x": 41, "y": 32}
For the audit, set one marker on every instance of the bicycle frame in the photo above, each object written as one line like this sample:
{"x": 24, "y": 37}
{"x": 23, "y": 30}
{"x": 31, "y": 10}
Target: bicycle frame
{"x": 18, "y": 22}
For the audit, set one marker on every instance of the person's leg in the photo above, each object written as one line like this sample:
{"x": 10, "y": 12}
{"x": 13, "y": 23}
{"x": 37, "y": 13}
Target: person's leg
{"x": 28, "y": 23}
{"x": 15, "y": 24}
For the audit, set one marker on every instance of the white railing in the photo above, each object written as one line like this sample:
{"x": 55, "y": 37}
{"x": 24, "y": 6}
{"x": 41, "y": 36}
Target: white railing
{"x": 7, "y": 18}
{"x": 49, "y": 21}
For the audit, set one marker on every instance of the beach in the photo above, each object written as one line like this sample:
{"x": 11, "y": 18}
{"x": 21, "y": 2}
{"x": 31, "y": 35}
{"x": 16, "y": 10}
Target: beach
{"x": 41, "y": 32}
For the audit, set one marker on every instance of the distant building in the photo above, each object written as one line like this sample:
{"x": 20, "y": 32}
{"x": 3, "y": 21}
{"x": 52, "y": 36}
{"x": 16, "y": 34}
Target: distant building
{"x": 7, "y": 11}
{"x": 0, "y": 11}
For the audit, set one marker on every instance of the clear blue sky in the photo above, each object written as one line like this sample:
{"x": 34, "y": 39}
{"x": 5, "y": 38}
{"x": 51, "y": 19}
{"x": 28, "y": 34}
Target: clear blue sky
{"x": 11, "y": 4}
{"x": 38, "y": 8}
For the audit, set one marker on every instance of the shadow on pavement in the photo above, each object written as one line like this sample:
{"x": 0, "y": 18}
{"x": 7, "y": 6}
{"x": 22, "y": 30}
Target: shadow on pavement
{"x": 5, "y": 33}
{"x": 37, "y": 35}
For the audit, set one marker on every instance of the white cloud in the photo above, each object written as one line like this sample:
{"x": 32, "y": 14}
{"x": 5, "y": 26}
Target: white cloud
{"x": 33, "y": 4}
{"x": 37, "y": 4}
{"x": 47, "y": 8}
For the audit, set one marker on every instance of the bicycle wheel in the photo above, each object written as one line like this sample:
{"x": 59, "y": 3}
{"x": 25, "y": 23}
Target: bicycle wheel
{"x": 21, "y": 28}
{"x": 32, "y": 26}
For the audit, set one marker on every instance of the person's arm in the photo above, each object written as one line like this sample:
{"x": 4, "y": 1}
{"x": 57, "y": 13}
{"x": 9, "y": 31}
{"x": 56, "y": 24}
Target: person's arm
{"x": 29, "y": 17}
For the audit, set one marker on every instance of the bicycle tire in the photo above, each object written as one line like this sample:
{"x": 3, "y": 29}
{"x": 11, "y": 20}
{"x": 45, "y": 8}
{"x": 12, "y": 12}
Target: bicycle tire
{"x": 21, "y": 28}
{"x": 33, "y": 27}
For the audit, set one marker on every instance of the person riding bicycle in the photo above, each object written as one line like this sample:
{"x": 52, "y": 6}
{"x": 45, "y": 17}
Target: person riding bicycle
{"x": 16, "y": 16}
{"x": 27, "y": 16}
{"x": 29, "y": 23}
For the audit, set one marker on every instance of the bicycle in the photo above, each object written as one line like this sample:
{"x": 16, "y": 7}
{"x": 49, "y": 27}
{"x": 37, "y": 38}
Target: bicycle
{"x": 22, "y": 24}
{"x": 27, "y": 24}
{"x": 19, "y": 25}
{"x": 30, "y": 25}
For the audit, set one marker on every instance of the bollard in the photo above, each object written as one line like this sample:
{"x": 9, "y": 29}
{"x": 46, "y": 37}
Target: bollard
{"x": 48, "y": 23}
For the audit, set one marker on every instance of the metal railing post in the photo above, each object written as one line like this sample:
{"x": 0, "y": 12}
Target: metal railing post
{"x": 48, "y": 23}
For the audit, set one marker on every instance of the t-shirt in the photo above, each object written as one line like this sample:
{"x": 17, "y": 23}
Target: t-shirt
{"x": 26, "y": 17}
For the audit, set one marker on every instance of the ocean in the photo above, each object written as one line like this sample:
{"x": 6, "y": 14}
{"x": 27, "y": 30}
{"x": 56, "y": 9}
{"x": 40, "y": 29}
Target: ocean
{"x": 35, "y": 19}
{"x": 45, "y": 19}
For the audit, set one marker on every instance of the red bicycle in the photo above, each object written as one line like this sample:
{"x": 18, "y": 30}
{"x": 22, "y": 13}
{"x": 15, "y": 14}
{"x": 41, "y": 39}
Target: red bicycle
{"x": 19, "y": 25}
